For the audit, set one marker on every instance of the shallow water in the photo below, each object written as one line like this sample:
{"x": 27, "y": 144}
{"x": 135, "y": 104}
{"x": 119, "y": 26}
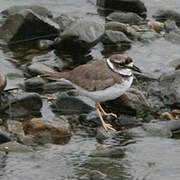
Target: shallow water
{"x": 147, "y": 159}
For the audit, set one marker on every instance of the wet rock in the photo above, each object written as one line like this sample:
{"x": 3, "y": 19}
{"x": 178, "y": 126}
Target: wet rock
{"x": 163, "y": 15}
{"x": 127, "y": 18}
{"x": 116, "y": 26}
{"x": 35, "y": 84}
{"x": 132, "y": 102}
{"x": 148, "y": 36}
{"x": 170, "y": 89}
{"x": 103, "y": 134}
{"x": 112, "y": 152}
{"x": 3, "y": 82}
{"x": 46, "y": 133}
{"x": 80, "y": 37}
{"x": 39, "y": 68}
{"x": 15, "y": 127}
{"x": 170, "y": 25}
{"x": 37, "y": 9}
{"x": 66, "y": 19}
{"x": 45, "y": 44}
{"x": 159, "y": 129}
{"x": 135, "y": 6}
{"x": 115, "y": 37}
{"x": 156, "y": 26}
{"x": 71, "y": 105}
{"x": 27, "y": 25}
{"x": 4, "y": 137}
{"x": 15, "y": 147}
{"x": 20, "y": 104}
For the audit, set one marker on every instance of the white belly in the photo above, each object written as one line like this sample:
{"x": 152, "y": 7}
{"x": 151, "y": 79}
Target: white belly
{"x": 107, "y": 94}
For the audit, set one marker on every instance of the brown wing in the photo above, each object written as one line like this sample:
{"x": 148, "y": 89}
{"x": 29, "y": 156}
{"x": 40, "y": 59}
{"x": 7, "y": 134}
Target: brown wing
{"x": 94, "y": 76}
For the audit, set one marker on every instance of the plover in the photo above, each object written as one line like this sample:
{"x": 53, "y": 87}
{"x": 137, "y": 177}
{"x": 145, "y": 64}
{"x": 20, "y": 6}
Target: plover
{"x": 102, "y": 80}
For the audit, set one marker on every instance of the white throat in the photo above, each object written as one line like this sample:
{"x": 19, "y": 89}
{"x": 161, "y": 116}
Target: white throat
{"x": 125, "y": 71}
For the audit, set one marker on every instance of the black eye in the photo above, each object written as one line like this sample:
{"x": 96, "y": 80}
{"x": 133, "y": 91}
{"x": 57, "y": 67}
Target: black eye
{"x": 128, "y": 60}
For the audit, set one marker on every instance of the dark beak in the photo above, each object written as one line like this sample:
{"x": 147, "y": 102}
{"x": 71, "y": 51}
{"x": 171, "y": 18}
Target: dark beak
{"x": 135, "y": 68}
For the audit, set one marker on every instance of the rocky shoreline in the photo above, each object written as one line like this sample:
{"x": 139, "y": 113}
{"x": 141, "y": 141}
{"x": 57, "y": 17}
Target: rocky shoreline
{"x": 150, "y": 108}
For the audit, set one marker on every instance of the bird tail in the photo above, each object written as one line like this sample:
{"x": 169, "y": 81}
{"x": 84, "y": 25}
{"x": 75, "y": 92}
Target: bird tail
{"x": 54, "y": 75}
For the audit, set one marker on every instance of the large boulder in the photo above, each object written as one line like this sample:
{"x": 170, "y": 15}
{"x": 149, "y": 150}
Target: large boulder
{"x": 27, "y": 25}
{"x": 133, "y": 102}
{"x": 80, "y": 36}
{"x": 124, "y": 5}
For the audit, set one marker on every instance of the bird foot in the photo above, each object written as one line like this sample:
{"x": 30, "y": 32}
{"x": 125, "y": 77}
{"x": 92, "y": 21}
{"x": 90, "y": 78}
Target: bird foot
{"x": 108, "y": 126}
{"x": 111, "y": 114}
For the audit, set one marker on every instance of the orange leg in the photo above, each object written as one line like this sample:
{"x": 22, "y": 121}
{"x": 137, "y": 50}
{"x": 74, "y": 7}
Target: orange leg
{"x": 105, "y": 113}
{"x": 105, "y": 125}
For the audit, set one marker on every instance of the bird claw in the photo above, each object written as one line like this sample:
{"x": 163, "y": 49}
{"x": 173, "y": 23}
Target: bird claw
{"x": 108, "y": 126}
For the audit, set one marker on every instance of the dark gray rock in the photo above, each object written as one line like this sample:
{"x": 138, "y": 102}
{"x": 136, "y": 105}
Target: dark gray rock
{"x": 20, "y": 104}
{"x": 27, "y": 25}
{"x": 170, "y": 88}
{"x": 71, "y": 105}
{"x": 115, "y": 37}
{"x": 80, "y": 37}
{"x": 127, "y": 18}
{"x": 135, "y": 6}
{"x": 37, "y": 9}
{"x": 163, "y": 15}
{"x": 158, "y": 129}
{"x": 3, "y": 82}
